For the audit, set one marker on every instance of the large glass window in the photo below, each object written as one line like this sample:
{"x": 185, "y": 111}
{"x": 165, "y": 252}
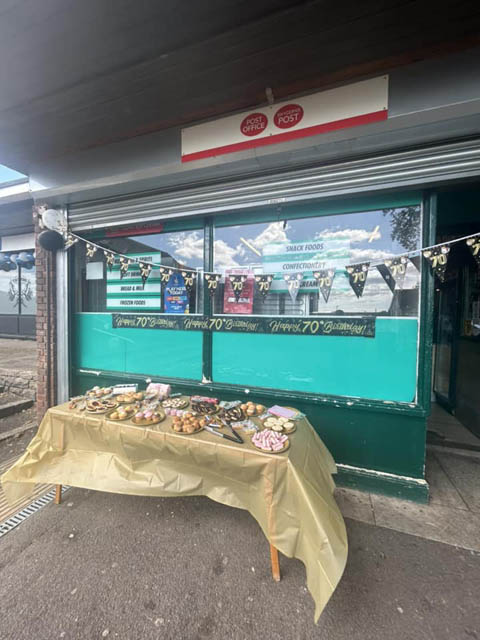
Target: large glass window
{"x": 99, "y": 289}
{"x": 302, "y": 246}
{"x": 17, "y": 284}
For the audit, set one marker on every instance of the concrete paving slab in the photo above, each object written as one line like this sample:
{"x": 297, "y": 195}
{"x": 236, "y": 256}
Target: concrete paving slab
{"x": 355, "y": 504}
{"x": 464, "y": 473}
{"x": 443, "y": 524}
{"x": 130, "y": 568}
{"x": 442, "y": 490}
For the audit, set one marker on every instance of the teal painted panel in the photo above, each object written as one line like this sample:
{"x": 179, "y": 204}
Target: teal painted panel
{"x": 176, "y": 354}
{"x": 380, "y": 368}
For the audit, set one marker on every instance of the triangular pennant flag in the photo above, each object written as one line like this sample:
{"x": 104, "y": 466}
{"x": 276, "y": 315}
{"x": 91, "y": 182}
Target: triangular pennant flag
{"x": 124, "y": 264}
{"x": 264, "y": 282}
{"x": 145, "y": 269}
{"x": 324, "y": 280}
{"x": 237, "y": 282}
{"x": 70, "y": 240}
{"x": 437, "y": 257}
{"x": 90, "y": 250}
{"x": 165, "y": 274}
{"x": 212, "y": 280}
{"x": 110, "y": 259}
{"x": 189, "y": 278}
{"x": 398, "y": 268}
{"x": 415, "y": 260}
{"x": 293, "y": 281}
{"x": 357, "y": 276}
{"x": 474, "y": 245}
{"x": 387, "y": 276}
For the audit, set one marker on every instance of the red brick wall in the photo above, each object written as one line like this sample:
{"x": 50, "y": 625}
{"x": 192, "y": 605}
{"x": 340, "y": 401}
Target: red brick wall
{"x": 46, "y": 324}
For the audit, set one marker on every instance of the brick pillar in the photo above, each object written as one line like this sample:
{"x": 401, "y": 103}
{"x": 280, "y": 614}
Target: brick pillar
{"x": 46, "y": 324}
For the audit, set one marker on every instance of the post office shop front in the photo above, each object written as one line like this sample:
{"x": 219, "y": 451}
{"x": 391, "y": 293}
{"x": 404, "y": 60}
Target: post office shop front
{"x": 233, "y": 305}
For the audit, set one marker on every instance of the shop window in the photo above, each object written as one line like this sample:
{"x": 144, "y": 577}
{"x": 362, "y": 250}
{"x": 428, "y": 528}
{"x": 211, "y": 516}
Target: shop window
{"x": 17, "y": 286}
{"x": 305, "y": 245}
{"x": 100, "y": 290}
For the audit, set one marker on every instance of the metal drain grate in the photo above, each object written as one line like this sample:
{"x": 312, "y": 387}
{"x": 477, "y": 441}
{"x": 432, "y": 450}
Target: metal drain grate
{"x": 23, "y": 514}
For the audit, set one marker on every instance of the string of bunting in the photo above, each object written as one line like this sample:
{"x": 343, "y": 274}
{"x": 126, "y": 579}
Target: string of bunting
{"x": 392, "y": 269}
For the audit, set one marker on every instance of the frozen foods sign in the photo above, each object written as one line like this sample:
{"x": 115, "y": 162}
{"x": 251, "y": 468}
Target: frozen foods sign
{"x": 348, "y": 106}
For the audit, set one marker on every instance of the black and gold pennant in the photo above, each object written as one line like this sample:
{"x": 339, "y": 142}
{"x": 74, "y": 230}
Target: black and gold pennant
{"x": 165, "y": 274}
{"x": 293, "y": 281}
{"x": 438, "y": 258}
{"x": 474, "y": 245}
{"x": 189, "y": 278}
{"x": 264, "y": 282}
{"x": 145, "y": 269}
{"x": 357, "y": 276}
{"x": 70, "y": 240}
{"x": 212, "y": 280}
{"x": 324, "y": 279}
{"x": 124, "y": 264}
{"x": 393, "y": 271}
{"x": 110, "y": 259}
{"x": 90, "y": 250}
{"x": 237, "y": 282}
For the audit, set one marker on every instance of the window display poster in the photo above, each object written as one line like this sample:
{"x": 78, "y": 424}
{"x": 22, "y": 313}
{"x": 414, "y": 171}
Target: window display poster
{"x": 245, "y": 301}
{"x": 176, "y": 295}
{"x": 281, "y": 258}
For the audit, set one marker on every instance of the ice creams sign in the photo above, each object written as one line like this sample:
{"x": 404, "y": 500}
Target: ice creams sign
{"x": 352, "y": 105}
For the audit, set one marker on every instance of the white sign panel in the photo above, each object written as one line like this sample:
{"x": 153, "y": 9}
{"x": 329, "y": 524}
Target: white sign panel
{"x": 348, "y": 106}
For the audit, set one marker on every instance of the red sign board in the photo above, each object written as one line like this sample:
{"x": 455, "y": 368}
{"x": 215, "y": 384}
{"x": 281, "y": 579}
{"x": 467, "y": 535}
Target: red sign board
{"x": 245, "y": 301}
{"x": 254, "y": 124}
{"x": 288, "y": 116}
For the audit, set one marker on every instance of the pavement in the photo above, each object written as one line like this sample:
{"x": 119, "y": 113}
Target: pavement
{"x": 111, "y": 566}
{"x": 18, "y": 354}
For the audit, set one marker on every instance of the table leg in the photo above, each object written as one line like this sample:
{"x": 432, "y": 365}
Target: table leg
{"x": 58, "y": 493}
{"x": 275, "y": 563}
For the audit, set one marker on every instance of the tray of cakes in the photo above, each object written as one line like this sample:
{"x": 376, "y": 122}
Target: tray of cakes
{"x": 270, "y": 441}
{"x": 147, "y": 417}
{"x": 204, "y": 405}
{"x": 130, "y": 397}
{"x": 101, "y": 405}
{"x": 123, "y": 412}
{"x": 189, "y": 423}
{"x": 99, "y": 392}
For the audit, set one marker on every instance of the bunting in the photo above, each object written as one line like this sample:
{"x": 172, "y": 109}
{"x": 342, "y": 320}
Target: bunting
{"x": 145, "y": 269}
{"x": 324, "y": 279}
{"x": 237, "y": 282}
{"x": 124, "y": 264}
{"x": 212, "y": 280}
{"x": 189, "y": 278}
{"x": 264, "y": 282}
{"x": 90, "y": 250}
{"x": 293, "y": 281}
{"x": 110, "y": 259}
{"x": 165, "y": 274}
{"x": 438, "y": 257}
{"x": 392, "y": 270}
{"x": 357, "y": 276}
{"x": 474, "y": 245}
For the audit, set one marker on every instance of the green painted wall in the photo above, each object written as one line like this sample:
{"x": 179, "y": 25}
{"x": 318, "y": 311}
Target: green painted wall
{"x": 381, "y": 368}
{"x": 176, "y": 354}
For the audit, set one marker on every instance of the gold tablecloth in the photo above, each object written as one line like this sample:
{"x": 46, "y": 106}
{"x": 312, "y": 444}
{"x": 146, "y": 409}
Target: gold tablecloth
{"x": 289, "y": 494}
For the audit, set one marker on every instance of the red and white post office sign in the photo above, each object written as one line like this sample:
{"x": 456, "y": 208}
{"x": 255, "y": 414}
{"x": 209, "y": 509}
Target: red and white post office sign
{"x": 349, "y": 106}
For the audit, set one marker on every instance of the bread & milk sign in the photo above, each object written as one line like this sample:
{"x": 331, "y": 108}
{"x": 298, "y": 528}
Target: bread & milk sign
{"x": 348, "y": 106}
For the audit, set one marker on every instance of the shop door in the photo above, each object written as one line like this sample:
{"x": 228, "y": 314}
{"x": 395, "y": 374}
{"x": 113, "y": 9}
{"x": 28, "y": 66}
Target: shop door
{"x": 448, "y": 317}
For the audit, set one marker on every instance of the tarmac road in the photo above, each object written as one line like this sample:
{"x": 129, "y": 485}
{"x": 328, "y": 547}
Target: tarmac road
{"x": 109, "y": 566}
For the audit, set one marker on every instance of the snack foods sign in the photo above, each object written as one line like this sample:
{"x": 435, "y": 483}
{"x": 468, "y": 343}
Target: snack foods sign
{"x": 352, "y": 105}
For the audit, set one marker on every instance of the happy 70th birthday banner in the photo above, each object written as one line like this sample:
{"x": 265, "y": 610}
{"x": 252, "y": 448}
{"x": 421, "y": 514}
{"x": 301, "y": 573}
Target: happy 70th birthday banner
{"x": 362, "y": 327}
